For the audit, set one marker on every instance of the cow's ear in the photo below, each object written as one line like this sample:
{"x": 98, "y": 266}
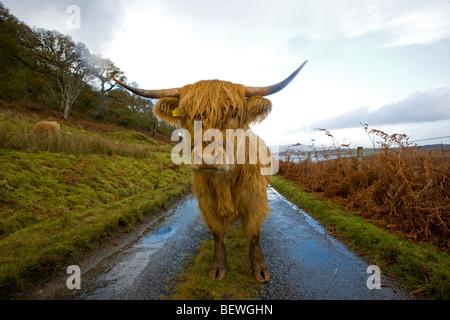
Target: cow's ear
{"x": 257, "y": 109}
{"x": 166, "y": 109}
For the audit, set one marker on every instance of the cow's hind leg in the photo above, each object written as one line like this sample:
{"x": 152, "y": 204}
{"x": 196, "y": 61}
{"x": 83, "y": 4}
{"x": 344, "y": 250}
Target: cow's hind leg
{"x": 219, "y": 230}
{"x": 251, "y": 227}
{"x": 219, "y": 262}
{"x": 259, "y": 267}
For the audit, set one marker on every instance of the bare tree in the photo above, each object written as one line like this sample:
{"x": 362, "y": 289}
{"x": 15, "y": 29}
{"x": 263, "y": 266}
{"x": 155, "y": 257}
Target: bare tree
{"x": 103, "y": 70}
{"x": 59, "y": 53}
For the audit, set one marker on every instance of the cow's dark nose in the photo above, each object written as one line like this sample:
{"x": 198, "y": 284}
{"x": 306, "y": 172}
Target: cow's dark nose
{"x": 202, "y": 160}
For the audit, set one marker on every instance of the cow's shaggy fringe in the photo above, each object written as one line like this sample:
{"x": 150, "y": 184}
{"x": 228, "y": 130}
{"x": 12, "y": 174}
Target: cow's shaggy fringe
{"x": 214, "y": 103}
{"x": 214, "y": 100}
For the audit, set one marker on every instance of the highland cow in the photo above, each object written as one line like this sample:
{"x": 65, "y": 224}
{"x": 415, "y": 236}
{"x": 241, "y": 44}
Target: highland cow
{"x": 226, "y": 192}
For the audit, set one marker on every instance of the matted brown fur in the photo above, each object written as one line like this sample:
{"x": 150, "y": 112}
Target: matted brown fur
{"x": 240, "y": 193}
{"x": 47, "y": 130}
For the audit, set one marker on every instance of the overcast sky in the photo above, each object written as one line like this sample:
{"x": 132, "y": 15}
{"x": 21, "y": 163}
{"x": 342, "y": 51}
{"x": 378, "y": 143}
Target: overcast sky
{"x": 385, "y": 63}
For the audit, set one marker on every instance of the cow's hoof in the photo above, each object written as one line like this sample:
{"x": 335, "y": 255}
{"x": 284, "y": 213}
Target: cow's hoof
{"x": 217, "y": 273}
{"x": 261, "y": 273}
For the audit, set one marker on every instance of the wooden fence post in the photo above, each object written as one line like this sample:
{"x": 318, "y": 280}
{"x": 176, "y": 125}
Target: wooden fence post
{"x": 359, "y": 154}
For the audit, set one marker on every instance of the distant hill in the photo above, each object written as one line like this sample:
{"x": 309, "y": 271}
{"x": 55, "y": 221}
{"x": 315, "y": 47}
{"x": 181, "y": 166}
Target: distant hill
{"x": 435, "y": 147}
{"x": 298, "y": 148}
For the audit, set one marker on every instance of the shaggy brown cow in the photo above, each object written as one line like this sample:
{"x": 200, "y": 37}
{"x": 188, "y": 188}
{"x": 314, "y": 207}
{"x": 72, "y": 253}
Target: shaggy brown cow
{"x": 225, "y": 192}
{"x": 47, "y": 130}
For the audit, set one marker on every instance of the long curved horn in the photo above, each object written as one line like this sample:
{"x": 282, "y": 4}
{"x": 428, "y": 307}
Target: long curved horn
{"x": 154, "y": 94}
{"x": 265, "y": 91}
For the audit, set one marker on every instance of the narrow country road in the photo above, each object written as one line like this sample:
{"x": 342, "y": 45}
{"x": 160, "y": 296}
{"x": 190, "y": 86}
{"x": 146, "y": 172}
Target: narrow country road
{"x": 304, "y": 261}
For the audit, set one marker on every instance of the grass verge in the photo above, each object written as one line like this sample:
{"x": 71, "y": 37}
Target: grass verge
{"x": 54, "y": 207}
{"x": 419, "y": 266}
{"x": 238, "y": 284}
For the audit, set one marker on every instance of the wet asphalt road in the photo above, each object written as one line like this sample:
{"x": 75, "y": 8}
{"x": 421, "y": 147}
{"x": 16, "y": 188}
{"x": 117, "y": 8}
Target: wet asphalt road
{"x": 304, "y": 262}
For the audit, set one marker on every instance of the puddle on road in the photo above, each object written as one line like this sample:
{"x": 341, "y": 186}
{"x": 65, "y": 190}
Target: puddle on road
{"x": 273, "y": 196}
{"x": 157, "y": 239}
{"x": 304, "y": 232}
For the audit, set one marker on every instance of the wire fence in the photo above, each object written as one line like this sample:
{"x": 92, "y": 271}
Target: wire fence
{"x": 428, "y": 139}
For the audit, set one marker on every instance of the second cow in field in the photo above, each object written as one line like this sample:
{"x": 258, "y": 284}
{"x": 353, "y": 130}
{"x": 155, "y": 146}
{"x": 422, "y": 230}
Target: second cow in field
{"x": 49, "y": 130}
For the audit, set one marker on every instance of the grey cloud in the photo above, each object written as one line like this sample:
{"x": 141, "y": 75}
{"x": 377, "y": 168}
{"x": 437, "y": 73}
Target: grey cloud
{"x": 99, "y": 19}
{"x": 428, "y": 106}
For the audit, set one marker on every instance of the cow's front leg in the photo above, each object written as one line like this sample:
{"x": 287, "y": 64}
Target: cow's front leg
{"x": 219, "y": 263}
{"x": 259, "y": 267}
